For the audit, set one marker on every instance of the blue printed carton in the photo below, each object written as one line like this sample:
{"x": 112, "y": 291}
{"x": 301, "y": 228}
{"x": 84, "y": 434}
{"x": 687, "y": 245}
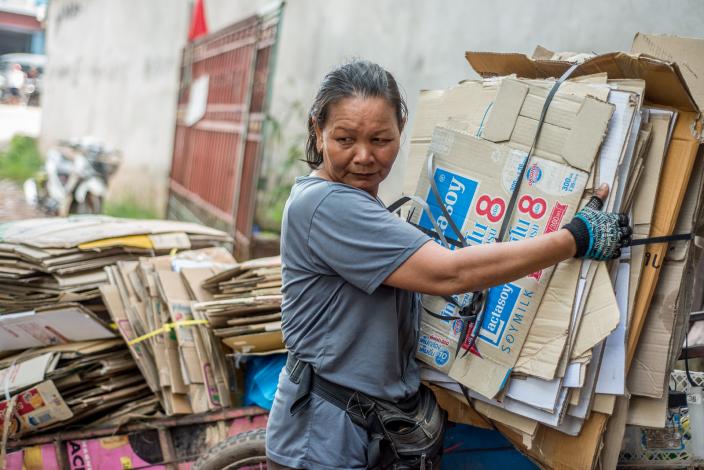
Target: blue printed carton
{"x": 475, "y": 177}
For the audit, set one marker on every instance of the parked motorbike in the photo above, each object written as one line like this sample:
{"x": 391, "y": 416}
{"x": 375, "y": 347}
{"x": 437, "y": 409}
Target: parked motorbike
{"x": 74, "y": 179}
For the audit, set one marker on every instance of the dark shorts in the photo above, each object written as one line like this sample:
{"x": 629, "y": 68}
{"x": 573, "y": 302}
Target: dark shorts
{"x": 14, "y": 91}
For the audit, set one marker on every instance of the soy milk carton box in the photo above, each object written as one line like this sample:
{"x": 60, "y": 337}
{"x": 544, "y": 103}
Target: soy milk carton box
{"x": 475, "y": 177}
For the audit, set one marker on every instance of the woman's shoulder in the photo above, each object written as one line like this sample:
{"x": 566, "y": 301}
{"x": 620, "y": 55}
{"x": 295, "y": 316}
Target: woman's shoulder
{"x": 310, "y": 192}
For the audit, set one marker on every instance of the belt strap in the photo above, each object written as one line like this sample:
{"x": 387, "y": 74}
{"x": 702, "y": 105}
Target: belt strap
{"x": 302, "y": 374}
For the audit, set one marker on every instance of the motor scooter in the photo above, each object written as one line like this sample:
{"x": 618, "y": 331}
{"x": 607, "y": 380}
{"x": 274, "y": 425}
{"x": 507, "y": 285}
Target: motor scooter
{"x": 74, "y": 179}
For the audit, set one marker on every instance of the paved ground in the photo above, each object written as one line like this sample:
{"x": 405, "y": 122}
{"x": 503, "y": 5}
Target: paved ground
{"x": 19, "y": 120}
{"x": 12, "y": 203}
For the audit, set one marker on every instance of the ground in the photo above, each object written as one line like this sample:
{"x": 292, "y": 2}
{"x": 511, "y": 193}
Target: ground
{"x": 16, "y": 120}
{"x": 12, "y": 203}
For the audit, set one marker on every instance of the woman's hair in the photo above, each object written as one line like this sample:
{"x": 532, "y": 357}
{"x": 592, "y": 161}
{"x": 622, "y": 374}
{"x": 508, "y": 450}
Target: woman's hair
{"x": 359, "y": 78}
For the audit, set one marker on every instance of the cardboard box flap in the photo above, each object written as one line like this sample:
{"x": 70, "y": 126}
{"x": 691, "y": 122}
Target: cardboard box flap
{"x": 572, "y": 132}
{"x": 506, "y": 109}
{"x": 664, "y": 82}
{"x": 688, "y": 53}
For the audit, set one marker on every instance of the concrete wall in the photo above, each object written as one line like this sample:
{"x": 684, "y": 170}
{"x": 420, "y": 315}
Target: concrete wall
{"x": 113, "y": 64}
{"x": 113, "y": 70}
{"x": 423, "y": 42}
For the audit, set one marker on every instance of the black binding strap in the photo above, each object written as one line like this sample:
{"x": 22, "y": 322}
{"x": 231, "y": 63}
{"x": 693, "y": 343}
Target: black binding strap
{"x": 663, "y": 239}
{"x": 514, "y": 195}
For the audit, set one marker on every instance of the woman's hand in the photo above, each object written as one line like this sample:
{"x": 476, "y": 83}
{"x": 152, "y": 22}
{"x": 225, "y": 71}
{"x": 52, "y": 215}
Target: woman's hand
{"x": 599, "y": 235}
{"x": 436, "y": 270}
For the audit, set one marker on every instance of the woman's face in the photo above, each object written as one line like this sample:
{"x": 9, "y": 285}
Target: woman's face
{"x": 359, "y": 142}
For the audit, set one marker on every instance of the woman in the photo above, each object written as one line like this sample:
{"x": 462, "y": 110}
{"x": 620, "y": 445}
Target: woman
{"x": 351, "y": 270}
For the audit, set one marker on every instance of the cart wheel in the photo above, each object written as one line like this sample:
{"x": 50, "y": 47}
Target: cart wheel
{"x": 246, "y": 450}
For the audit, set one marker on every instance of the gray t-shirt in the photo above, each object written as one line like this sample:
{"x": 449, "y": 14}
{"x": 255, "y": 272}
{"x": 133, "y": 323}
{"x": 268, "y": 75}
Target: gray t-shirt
{"x": 338, "y": 244}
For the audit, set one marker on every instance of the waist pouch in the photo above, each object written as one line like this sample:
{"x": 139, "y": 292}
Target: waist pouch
{"x": 406, "y": 435}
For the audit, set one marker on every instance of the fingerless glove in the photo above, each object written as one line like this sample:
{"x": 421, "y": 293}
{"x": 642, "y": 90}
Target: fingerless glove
{"x": 599, "y": 235}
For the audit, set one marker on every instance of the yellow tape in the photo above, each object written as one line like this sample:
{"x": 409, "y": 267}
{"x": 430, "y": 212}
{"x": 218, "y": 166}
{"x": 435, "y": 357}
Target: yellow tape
{"x": 134, "y": 241}
{"x": 166, "y": 328}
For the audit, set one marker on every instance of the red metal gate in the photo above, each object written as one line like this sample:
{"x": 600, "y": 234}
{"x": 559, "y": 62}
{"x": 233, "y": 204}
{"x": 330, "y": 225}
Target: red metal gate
{"x": 215, "y": 162}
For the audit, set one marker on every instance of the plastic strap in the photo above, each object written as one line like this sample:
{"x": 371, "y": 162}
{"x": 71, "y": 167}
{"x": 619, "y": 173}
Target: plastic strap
{"x": 664, "y": 239}
{"x": 166, "y": 328}
{"x": 436, "y": 193}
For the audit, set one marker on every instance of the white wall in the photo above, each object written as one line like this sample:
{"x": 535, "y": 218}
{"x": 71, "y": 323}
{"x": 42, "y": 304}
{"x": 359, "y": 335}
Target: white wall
{"x": 113, "y": 64}
{"x": 113, "y": 73}
{"x": 423, "y": 42}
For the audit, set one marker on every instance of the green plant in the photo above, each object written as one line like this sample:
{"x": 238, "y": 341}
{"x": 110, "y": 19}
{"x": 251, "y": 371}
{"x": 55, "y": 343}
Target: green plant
{"x": 275, "y": 182}
{"x": 129, "y": 208}
{"x": 21, "y": 159}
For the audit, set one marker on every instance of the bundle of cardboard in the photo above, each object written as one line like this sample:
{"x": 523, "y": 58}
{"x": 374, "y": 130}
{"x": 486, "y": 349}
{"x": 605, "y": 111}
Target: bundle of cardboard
{"x": 173, "y": 345}
{"x": 62, "y": 360}
{"x": 44, "y": 261}
{"x": 561, "y": 350}
{"x": 84, "y": 383}
{"x": 246, "y": 312}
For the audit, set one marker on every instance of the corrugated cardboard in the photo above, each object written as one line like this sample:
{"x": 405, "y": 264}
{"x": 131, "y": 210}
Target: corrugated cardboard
{"x": 649, "y": 371}
{"x": 175, "y": 296}
{"x": 671, "y": 190}
{"x": 558, "y": 451}
{"x": 25, "y": 373}
{"x": 664, "y": 86}
{"x": 36, "y": 408}
{"x": 520, "y": 423}
{"x": 515, "y": 124}
{"x": 544, "y": 353}
{"x": 141, "y": 355}
{"x": 549, "y": 332}
{"x": 601, "y": 314}
{"x": 687, "y": 52}
{"x": 458, "y": 411}
{"x": 500, "y": 337}
{"x": 50, "y": 325}
{"x": 648, "y": 412}
{"x": 613, "y": 437}
{"x": 71, "y": 232}
{"x": 664, "y": 82}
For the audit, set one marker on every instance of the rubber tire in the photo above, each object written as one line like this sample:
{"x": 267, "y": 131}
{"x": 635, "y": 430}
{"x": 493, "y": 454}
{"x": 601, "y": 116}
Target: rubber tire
{"x": 243, "y": 449}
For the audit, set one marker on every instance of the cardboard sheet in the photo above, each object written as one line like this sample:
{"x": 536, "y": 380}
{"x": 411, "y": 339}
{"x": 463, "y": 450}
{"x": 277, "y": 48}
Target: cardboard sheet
{"x": 50, "y": 325}
{"x": 446, "y": 143}
{"x": 671, "y": 190}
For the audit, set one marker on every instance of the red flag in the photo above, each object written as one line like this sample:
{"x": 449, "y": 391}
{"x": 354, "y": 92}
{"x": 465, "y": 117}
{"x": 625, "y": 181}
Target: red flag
{"x": 198, "y": 25}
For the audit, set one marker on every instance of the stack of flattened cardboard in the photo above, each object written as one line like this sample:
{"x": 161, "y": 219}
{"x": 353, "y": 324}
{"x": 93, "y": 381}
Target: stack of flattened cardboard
{"x": 61, "y": 359}
{"x": 43, "y": 261}
{"x": 72, "y": 384}
{"x": 554, "y": 348}
{"x": 151, "y": 302}
{"x": 246, "y": 312}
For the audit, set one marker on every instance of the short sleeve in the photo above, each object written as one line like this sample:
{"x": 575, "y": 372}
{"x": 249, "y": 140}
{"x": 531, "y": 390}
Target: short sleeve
{"x": 353, "y": 235}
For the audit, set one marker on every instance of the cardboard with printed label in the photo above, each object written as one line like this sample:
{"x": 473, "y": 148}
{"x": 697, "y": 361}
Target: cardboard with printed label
{"x": 35, "y": 408}
{"x": 475, "y": 178}
{"x": 475, "y": 107}
{"x": 664, "y": 86}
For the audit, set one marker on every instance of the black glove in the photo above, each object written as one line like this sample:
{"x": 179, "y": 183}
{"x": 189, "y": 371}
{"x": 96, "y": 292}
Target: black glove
{"x": 599, "y": 235}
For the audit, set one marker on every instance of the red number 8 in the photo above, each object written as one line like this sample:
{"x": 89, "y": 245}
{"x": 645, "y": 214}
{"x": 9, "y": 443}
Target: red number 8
{"x": 485, "y": 204}
{"x": 527, "y": 205}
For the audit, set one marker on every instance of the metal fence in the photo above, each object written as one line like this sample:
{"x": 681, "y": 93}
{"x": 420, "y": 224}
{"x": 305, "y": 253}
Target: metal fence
{"x": 216, "y": 160}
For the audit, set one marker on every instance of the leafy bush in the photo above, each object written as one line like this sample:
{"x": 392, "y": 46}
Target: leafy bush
{"x": 21, "y": 159}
